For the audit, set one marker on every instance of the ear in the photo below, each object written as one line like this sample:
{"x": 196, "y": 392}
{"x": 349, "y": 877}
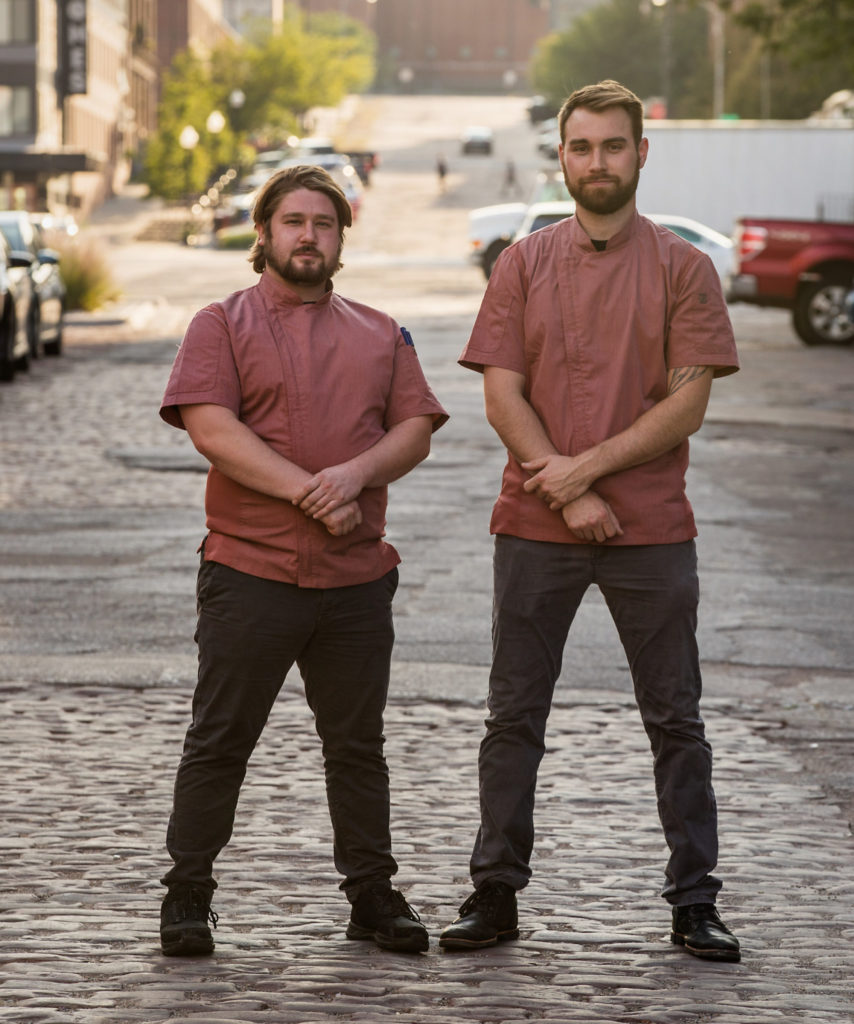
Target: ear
{"x": 643, "y": 150}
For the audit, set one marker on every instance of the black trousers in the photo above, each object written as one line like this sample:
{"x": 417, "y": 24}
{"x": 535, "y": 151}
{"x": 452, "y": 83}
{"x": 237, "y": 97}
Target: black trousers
{"x": 652, "y": 593}
{"x": 250, "y": 633}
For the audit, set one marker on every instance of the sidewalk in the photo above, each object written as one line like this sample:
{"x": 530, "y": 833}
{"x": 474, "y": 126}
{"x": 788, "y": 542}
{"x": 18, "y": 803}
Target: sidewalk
{"x": 92, "y": 769}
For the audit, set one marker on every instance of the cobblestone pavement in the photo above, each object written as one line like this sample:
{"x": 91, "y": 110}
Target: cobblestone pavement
{"x": 92, "y": 767}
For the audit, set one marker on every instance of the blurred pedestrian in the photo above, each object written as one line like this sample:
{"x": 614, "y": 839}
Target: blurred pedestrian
{"x": 598, "y": 339}
{"x": 307, "y": 405}
{"x": 510, "y": 182}
{"x": 441, "y": 171}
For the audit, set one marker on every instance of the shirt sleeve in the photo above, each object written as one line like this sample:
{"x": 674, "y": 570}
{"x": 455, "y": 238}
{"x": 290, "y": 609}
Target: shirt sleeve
{"x": 699, "y": 329}
{"x": 409, "y": 394}
{"x": 204, "y": 371}
{"x": 498, "y": 335}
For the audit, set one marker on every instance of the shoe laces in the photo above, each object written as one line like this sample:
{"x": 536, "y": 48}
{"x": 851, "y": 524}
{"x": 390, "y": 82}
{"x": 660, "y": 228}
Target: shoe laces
{"x": 194, "y": 904}
{"x": 393, "y": 903}
{"x": 488, "y": 899}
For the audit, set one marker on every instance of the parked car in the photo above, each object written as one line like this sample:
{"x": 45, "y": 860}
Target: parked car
{"x": 477, "y": 139}
{"x": 491, "y": 228}
{"x": 802, "y": 265}
{"x": 539, "y": 109}
{"x": 540, "y": 215}
{"x": 718, "y": 247}
{"x": 342, "y": 172}
{"x": 16, "y": 293}
{"x": 44, "y": 323}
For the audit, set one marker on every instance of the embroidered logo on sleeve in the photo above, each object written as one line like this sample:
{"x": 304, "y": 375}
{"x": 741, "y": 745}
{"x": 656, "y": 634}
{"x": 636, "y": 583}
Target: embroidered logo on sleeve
{"x": 407, "y": 337}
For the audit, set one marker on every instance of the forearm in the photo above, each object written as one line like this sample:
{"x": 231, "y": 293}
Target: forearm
{"x": 559, "y": 479}
{"x": 401, "y": 449}
{"x": 660, "y": 429}
{"x": 395, "y": 454}
{"x": 239, "y": 453}
{"x": 512, "y": 416}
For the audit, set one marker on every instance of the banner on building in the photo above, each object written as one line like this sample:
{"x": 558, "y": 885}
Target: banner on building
{"x": 72, "y": 47}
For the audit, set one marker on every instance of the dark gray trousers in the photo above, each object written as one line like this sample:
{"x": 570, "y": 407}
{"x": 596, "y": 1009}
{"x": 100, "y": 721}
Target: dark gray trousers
{"x": 250, "y": 632}
{"x": 652, "y": 593}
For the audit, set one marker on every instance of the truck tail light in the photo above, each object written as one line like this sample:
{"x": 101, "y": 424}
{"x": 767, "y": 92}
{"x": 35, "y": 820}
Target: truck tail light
{"x": 749, "y": 241}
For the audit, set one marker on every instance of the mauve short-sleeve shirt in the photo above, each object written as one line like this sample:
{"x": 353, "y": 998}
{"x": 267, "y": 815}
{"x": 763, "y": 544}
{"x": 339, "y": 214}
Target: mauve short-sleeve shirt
{"x": 320, "y": 382}
{"x": 594, "y": 333}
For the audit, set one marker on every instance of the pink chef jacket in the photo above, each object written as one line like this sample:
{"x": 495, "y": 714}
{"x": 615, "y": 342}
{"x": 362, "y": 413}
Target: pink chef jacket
{"x": 595, "y": 333}
{"x": 320, "y": 383}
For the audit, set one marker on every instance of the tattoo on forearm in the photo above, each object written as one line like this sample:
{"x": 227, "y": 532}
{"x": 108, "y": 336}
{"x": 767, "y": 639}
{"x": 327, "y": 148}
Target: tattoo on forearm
{"x": 683, "y": 375}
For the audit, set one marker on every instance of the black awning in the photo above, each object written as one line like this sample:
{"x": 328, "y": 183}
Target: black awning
{"x": 32, "y": 163}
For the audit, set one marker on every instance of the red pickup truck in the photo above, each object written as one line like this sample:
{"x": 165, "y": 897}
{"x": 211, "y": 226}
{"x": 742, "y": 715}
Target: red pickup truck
{"x": 803, "y": 265}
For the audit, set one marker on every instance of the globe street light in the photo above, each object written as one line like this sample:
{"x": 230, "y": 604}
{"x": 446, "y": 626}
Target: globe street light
{"x": 188, "y": 140}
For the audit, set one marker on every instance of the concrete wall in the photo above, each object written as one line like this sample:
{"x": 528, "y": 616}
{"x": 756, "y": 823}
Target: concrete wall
{"x": 716, "y": 171}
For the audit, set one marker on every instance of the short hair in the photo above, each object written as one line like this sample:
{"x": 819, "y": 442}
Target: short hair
{"x": 602, "y": 96}
{"x": 289, "y": 180}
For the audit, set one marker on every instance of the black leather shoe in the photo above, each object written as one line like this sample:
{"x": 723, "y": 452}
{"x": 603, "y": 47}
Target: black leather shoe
{"x": 184, "y": 916}
{"x": 381, "y": 914}
{"x": 700, "y": 930}
{"x": 487, "y": 917}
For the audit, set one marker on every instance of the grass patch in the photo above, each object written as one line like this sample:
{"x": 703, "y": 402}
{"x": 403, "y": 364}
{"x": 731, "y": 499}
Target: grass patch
{"x": 89, "y": 282}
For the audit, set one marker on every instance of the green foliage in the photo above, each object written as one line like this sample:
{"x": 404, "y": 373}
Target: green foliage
{"x": 782, "y": 57}
{"x": 88, "y": 279}
{"x": 277, "y": 77}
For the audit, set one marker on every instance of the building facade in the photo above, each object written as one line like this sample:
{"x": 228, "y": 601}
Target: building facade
{"x": 79, "y": 87}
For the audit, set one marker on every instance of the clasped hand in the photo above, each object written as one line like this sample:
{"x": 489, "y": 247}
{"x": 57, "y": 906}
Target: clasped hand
{"x": 330, "y": 497}
{"x": 556, "y": 479}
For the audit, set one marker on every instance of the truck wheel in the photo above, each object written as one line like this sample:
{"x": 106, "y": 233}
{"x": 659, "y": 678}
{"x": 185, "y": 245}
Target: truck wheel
{"x": 492, "y": 254}
{"x": 820, "y": 317}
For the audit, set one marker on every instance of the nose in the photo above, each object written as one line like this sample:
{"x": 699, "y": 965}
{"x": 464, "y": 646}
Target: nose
{"x": 309, "y": 234}
{"x": 597, "y": 158}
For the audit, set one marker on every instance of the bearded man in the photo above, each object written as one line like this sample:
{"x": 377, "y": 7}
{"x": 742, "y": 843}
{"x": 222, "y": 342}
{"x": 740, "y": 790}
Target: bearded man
{"x": 307, "y": 405}
{"x": 598, "y": 339}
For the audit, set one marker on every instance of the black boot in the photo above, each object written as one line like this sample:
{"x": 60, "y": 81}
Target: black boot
{"x": 487, "y": 917}
{"x": 381, "y": 914}
{"x": 700, "y": 930}
{"x": 184, "y": 916}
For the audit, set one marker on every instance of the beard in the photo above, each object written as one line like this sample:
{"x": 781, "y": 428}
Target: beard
{"x": 603, "y": 201}
{"x": 300, "y": 272}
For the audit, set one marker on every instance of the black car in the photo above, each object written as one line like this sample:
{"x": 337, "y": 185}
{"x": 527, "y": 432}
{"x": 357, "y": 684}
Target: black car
{"x": 16, "y": 291}
{"x": 44, "y": 324}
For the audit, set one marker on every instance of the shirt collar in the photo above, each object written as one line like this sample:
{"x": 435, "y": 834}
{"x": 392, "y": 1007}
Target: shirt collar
{"x": 274, "y": 289}
{"x": 579, "y": 237}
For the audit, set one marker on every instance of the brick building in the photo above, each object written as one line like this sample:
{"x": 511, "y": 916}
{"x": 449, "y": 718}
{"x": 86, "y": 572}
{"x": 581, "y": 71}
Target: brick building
{"x": 79, "y": 82}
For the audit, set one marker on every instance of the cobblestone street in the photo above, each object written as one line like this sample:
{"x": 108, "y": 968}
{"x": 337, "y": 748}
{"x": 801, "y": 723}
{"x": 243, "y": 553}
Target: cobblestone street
{"x": 92, "y": 768}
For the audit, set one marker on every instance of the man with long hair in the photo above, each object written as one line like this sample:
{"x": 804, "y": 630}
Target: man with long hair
{"x": 306, "y": 405}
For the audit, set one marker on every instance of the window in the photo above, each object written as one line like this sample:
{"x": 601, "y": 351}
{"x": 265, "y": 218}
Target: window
{"x": 15, "y": 110}
{"x": 16, "y": 21}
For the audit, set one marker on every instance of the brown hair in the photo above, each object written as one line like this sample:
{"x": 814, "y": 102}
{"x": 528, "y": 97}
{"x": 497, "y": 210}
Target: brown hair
{"x": 600, "y": 97}
{"x": 289, "y": 180}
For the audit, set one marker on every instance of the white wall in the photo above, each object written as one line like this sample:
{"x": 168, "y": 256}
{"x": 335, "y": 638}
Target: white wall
{"x": 715, "y": 171}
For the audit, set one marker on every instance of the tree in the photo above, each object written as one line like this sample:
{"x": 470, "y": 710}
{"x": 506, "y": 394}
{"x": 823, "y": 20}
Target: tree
{"x": 781, "y": 59}
{"x": 653, "y": 51}
{"x": 278, "y": 76}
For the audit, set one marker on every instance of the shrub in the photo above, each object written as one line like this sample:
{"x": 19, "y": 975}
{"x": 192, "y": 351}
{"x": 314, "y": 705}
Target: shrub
{"x": 88, "y": 280}
{"x": 238, "y": 236}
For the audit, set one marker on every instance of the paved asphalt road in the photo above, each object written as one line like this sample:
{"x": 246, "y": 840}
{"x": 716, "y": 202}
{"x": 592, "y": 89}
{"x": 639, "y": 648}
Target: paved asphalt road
{"x": 101, "y": 517}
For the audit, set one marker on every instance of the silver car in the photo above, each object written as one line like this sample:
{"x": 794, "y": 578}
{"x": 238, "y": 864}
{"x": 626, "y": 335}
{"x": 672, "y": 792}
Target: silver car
{"x": 44, "y": 325}
{"x": 16, "y": 292}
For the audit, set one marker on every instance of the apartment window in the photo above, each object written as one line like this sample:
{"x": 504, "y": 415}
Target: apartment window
{"x": 15, "y": 110}
{"x": 16, "y": 21}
